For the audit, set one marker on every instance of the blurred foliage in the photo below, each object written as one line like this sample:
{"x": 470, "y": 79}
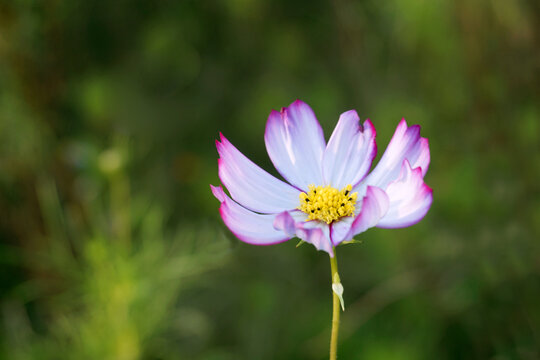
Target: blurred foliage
{"x": 111, "y": 243}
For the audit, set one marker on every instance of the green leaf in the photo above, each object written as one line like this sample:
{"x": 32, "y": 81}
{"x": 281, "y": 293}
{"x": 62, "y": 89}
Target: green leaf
{"x": 352, "y": 241}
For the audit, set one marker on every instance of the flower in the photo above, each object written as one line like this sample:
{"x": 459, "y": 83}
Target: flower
{"x": 330, "y": 196}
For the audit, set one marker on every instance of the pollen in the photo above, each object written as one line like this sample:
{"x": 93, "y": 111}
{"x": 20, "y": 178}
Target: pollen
{"x": 327, "y": 203}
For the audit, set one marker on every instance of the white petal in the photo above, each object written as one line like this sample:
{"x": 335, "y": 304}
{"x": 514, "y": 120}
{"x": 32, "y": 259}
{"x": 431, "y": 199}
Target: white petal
{"x": 410, "y": 199}
{"x": 250, "y": 227}
{"x": 295, "y": 143}
{"x": 374, "y": 206}
{"x": 314, "y": 232}
{"x": 350, "y": 151}
{"x": 405, "y": 144}
{"x": 250, "y": 185}
{"x": 339, "y": 230}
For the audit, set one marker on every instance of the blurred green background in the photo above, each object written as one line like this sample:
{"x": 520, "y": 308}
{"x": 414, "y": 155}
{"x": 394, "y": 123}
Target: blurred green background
{"x": 111, "y": 242}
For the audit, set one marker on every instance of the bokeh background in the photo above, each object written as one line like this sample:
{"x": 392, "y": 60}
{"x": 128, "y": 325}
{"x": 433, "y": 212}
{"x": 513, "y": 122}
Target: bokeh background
{"x": 111, "y": 243}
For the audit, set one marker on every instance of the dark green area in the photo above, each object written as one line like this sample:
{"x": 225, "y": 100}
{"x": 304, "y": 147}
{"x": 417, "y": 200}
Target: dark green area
{"x": 111, "y": 242}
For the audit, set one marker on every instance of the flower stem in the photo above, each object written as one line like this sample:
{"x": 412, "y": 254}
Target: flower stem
{"x": 335, "y": 312}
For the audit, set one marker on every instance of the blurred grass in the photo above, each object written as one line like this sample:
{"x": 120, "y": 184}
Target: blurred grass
{"x": 111, "y": 245}
{"x": 108, "y": 288}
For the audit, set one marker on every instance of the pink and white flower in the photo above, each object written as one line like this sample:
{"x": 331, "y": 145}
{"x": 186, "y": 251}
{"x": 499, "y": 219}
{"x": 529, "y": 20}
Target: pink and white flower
{"x": 263, "y": 210}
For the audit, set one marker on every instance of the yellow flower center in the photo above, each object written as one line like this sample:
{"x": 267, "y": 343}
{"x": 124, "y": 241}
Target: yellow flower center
{"x": 327, "y": 203}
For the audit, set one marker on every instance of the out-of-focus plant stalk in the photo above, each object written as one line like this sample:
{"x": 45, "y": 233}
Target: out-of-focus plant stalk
{"x": 120, "y": 199}
{"x": 113, "y": 163}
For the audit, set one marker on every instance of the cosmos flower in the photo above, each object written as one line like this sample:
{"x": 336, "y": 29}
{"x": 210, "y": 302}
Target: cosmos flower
{"x": 330, "y": 196}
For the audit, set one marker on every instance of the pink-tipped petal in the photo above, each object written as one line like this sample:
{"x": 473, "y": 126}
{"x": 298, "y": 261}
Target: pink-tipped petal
{"x": 410, "y": 199}
{"x": 350, "y": 151}
{"x": 249, "y": 227}
{"x": 295, "y": 143}
{"x": 293, "y": 223}
{"x": 405, "y": 144}
{"x": 285, "y": 222}
{"x": 317, "y": 236}
{"x": 374, "y": 206}
{"x": 218, "y": 193}
{"x": 340, "y": 229}
{"x": 250, "y": 185}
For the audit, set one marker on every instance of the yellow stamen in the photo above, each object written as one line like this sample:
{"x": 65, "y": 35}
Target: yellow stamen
{"x": 327, "y": 203}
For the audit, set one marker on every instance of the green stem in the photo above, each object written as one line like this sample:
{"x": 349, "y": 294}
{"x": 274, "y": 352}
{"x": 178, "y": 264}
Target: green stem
{"x": 335, "y": 312}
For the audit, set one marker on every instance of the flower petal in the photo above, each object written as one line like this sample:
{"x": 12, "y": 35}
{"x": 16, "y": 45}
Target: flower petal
{"x": 218, "y": 193}
{"x": 293, "y": 223}
{"x": 340, "y": 229}
{"x": 250, "y": 227}
{"x": 405, "y": 144}
{"x": 318, "y": 236}
{"x": 295, "y": 143}
{"x": 250, "y": 185}
{"x": 374, "y": 206}
{"x": 350, "y": 151}
{"x": 410, "y": 198}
